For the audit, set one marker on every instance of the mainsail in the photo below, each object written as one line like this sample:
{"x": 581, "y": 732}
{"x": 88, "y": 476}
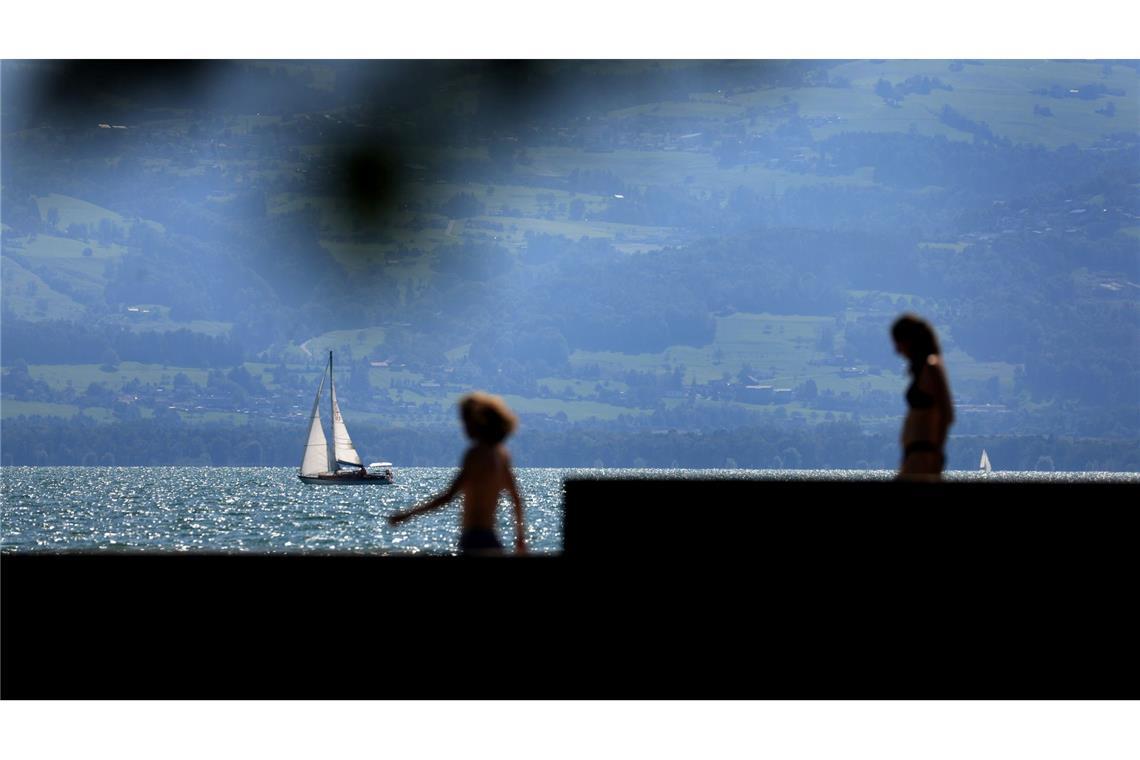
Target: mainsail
{"x": 984, "y": 465}
{"x": 316, "y": 457}
{"x": 342, "y": 444}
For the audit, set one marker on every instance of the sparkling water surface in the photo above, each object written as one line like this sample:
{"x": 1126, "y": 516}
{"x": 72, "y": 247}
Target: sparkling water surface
{"x": 268, "y": 510}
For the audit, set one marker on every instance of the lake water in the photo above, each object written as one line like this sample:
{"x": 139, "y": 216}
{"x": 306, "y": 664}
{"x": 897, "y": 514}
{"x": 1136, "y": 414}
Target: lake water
{"x": 268, "y": 510}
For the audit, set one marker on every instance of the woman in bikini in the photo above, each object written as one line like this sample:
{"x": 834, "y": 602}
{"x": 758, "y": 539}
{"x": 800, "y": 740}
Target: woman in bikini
{"x": 930, "y": 410}
{"x": 486, "y": 472}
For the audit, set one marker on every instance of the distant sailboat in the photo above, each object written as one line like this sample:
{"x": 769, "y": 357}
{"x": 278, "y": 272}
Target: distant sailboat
{"x": 984, "y": 465}
{"x": 321, "y": 465}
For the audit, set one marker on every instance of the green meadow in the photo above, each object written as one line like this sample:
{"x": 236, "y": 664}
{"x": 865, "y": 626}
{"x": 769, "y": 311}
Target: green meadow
{"x": 575, "y": 411}
{"x": 700, "y": 173}
{"x": 204, "y": 326}
{"x": 11, "y": 408}
{"x": 349, "y": 344}
{"x": 76, "y": 211}
{"x": 516, "y": 228}
{"x": 29, "y": 297}
{"x": 79, "y": 376}
{"x": 580, "y": 387}
{"x": 783, "y": 345}
{"x": 83, "y": 275}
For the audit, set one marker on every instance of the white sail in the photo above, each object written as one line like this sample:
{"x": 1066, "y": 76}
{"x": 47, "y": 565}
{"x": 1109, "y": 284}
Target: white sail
{"x": 984, "y": 465}
{"x": 316, "y": 457}
{"x": 342, "y": 444}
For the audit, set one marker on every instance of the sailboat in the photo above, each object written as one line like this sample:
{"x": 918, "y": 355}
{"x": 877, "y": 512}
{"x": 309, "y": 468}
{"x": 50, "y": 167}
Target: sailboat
{"x": 339, "y": 464}
{"x": 984, "y": 465}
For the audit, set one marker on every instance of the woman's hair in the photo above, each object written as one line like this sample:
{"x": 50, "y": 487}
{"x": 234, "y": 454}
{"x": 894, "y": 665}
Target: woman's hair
{"x": 918, "y": 336}
{"x": 487, "y": 418}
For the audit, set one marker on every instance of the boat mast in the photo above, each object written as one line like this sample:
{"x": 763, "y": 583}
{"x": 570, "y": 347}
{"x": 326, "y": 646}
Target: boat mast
{"x": 333, "y": 466}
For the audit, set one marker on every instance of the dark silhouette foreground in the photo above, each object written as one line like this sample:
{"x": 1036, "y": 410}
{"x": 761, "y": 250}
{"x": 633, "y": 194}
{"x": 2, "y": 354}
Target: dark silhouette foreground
{"x": 666, "y": 589}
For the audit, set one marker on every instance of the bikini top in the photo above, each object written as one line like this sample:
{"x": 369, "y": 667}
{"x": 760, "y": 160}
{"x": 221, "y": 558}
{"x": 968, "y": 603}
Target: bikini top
{"x": 917, "y": 398}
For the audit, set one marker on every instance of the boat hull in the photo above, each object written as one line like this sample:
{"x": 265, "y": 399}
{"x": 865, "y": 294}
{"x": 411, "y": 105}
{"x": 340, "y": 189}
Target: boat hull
{"x": 351, "y": 479}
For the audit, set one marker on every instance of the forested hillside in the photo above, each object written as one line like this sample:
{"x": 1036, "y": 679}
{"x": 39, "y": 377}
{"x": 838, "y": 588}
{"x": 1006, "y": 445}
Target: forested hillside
{"x": 672, "y": 252}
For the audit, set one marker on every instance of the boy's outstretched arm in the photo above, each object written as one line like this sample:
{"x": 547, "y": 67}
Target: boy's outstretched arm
{"x": 520, "y": 528}
{"x": 438, "y": 501}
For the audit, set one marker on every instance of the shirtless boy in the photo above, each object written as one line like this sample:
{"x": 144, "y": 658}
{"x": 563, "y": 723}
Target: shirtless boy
{"x": 485, "y": 473}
